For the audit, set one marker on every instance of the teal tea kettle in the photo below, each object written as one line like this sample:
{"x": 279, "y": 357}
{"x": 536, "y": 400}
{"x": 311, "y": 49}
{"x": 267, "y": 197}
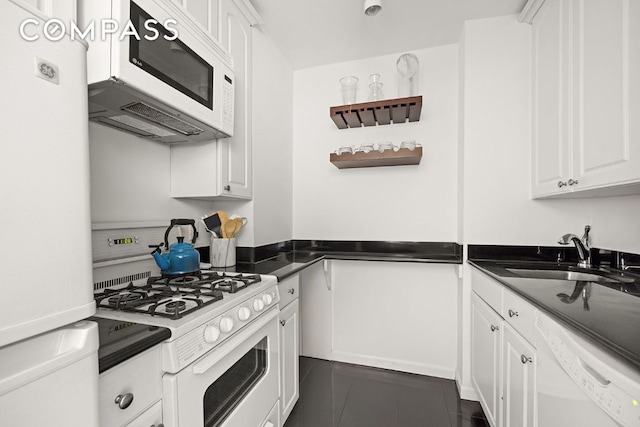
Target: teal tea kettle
{"x": 182, "y": 257}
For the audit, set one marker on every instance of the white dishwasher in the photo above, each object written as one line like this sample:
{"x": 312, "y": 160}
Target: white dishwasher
{"x": 578, "y": 384}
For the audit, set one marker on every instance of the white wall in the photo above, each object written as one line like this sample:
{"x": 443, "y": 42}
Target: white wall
{"x": 404, "y": 203}
{"x": 497, "y": 204}
{"x": 130, "y": 180}
{"x": 272, "y": 142}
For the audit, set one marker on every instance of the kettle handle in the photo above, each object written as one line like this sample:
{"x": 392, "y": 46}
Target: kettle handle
{"x": 181, "y": 221}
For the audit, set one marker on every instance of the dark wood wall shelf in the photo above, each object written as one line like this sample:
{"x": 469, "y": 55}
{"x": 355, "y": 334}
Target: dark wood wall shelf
{"x": 397, "y": 110}
{"x": 403, "y": 156}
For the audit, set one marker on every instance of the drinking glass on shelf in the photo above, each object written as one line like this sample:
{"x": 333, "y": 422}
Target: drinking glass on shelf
{"x": 375, "y": 88}
{"x": 345, "y": 149}
{"x": 349, "y": 85}
{"x": 410, "y": 145}
{"x": 408, "y": 73}
{"x": 365, "y": 148}
{"x": 384, "y": 146}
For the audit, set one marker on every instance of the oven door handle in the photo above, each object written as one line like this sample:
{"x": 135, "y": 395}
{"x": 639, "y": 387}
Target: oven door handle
{"x": 220, "y": 353}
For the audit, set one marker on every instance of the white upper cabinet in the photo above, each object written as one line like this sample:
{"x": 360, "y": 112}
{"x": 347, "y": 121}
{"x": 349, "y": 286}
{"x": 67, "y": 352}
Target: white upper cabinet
{"x": 235, "y": 152}
{"x": 66, "y": 10}
{"x": 221, "y": 169}
{"x": 586, "y": 90}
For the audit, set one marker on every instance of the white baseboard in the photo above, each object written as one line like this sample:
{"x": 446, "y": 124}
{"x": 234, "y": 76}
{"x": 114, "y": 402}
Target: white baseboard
{"x": 395, "y": 365}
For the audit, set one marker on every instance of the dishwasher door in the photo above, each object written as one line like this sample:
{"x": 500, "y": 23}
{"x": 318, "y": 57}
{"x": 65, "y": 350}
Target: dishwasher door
{"x": 578, "y": 384}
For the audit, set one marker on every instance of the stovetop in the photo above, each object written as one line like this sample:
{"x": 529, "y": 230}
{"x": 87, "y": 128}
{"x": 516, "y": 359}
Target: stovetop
{"x": 174, "y": 296}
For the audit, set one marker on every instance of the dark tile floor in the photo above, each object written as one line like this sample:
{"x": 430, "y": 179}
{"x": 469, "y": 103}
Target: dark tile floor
{"x": 334, "y": 394}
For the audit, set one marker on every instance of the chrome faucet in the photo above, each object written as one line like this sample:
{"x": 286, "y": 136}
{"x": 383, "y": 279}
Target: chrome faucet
{"x": 583, "y": 245}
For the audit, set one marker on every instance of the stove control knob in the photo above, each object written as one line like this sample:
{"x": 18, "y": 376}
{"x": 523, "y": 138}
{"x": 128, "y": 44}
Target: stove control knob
{"x": 211, "y": 334}
{"x": 258, "y": 305}
{"x": 226, "y": 324}
{"x": 267, "y": 298}
{"x": 244, "y": 313}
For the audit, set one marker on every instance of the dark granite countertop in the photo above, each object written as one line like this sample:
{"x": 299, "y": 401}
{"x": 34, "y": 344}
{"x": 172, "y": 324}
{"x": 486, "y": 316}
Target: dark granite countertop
{"x": 609, "y": 316}
{"x": 284, "y": 260}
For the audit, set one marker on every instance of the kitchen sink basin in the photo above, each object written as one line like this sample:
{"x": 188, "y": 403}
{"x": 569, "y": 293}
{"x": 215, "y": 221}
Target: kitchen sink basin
{"x": 597, "y": 276}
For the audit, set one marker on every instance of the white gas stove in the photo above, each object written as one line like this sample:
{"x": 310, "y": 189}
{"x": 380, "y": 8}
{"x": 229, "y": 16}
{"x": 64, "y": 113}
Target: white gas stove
{"x": 201, "y": 311}
{"x": 224, "y": 337}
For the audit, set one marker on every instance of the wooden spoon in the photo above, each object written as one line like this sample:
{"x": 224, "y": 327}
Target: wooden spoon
{"x": 239, "y": 223}
{"x": 228, "y": 229}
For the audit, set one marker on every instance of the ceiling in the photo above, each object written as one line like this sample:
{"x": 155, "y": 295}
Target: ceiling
{"x": 311, "y": 33}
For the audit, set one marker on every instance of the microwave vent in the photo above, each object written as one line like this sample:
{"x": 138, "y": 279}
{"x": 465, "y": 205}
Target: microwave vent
{"x": 156, "y": 116}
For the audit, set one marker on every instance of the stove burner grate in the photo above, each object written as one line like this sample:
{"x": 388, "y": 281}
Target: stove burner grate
{"x": 161, "y": 300}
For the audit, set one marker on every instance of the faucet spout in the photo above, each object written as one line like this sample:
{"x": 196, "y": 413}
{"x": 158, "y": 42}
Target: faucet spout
{"x": 583, "y": 251}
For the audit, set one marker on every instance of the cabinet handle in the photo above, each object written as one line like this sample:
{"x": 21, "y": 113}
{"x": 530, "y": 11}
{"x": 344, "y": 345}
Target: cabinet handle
{"x": 561, "y": 184}
{"x": 159, "y": 425}
{"x": 524, "y": 359}
{"x": 513, "y": 313}
{"x": 124, "y": 400}
{"x": 227, "y": 188}
{"x": 292, "y": 291}
{"x": 494, "y": 328}
{"x": 573, "y": 181}
{"x": 283, "y": 322}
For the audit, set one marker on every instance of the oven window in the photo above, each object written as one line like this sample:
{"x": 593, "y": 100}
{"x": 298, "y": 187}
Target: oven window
{"x": 171, "y": 61}
{"x": 227, "y": 392}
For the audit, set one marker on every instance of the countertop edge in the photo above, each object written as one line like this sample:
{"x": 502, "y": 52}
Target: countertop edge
{"x": 355, "y": 257}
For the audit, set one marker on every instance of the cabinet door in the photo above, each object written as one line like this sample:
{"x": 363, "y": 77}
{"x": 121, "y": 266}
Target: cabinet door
{"x": 486, "y": 339}
{"x": 518, "y": 388}
{"x": 550, "y": 128}
{"x": 234, "y": 153}
{"x": 289, "y": 355}
{"x": 65, "y": 10}
{"x": 205, "y": 12}
{"x": 606, "y": 42}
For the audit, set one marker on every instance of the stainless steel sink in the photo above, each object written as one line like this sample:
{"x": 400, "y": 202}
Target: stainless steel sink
{"x": 601, "y": 277}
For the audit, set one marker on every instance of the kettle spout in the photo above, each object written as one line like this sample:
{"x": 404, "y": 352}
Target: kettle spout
{"x": 160, "y": 260}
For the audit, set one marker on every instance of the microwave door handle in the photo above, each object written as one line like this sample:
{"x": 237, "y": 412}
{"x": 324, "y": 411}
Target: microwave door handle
{"x": 210, "y": 361}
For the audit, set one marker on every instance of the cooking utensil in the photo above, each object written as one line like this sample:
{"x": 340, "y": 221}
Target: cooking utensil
{"x": 239, "y": 223}
{"x": 228, "y": 229}
{"x": 213, "y": 224}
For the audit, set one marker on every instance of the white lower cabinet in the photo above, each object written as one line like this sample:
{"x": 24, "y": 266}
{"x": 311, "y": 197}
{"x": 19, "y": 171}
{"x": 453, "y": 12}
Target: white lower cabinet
{"x": 518, "y": 381}
{"x": 503, "y": 361}
{"x": 289, "y": 345}
{"x": 486, "y": 343}
{"x": 130, "y": 393}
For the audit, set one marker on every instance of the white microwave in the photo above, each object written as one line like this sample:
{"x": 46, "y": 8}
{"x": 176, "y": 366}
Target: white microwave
{"x": 155, "y": 73}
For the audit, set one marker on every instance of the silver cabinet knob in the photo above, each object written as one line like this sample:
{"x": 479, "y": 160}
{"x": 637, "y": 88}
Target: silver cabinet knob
{"x": 227, "y": 188}
{"x": 561, "y": 184}
{"x": 494, "y": 328}
{"x": 283, "y": 322}
{"x": 524, "y": 359}
{"x": 513, "y": 313}
{"x": 292, "y": 291}
{"x": 573, "y": 182}
{"x": 124, "y": 400}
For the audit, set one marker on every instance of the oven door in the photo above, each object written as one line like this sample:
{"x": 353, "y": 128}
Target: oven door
{"x": 234, "y": 385}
